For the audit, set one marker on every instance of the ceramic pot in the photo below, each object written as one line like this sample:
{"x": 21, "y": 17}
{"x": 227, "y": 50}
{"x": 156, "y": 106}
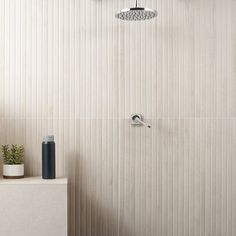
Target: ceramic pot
{"x": 13, "y": 171}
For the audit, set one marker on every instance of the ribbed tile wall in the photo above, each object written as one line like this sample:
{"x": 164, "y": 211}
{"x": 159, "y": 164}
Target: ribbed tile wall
{"x": 69, "y": 68}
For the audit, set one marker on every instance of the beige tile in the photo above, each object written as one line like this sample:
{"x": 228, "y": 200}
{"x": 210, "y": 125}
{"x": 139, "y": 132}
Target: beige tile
{"x": 65, "y": 63}
{"x": 70, "y": 68}
{"x": 177, "y": 176}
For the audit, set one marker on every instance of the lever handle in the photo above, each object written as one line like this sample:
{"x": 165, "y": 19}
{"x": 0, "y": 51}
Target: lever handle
{"x": 137, "y": 119}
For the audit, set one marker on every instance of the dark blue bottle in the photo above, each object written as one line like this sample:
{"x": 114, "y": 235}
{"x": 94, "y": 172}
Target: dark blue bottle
{"x": 48, "y": 158}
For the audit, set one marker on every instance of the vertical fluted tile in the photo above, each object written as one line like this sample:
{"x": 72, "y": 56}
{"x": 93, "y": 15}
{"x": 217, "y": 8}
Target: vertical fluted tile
{"x": 69, "y": 68}
{"x": 2, "y": 58}
{"x": 233, "y": 183}
{"x": 232, "y": 57}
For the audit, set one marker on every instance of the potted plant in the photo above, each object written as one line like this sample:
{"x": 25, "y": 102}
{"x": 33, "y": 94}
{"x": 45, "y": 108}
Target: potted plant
{"x": 13, "y": 161}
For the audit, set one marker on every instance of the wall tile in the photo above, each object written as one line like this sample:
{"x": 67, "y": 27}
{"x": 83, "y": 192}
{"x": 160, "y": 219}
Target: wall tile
{"x": 70, "y": 68}
{"x": 61, "y": 62}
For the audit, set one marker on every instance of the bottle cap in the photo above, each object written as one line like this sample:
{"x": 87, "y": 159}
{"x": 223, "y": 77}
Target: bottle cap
{"x": 48, "y": 138}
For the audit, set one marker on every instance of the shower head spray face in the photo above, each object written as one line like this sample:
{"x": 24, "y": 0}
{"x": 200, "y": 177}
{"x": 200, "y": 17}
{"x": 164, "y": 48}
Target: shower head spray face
{"x": 136, "y": 13}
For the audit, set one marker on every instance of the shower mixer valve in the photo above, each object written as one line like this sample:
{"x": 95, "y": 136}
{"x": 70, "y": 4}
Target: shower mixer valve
{"x": 137, "y": 119}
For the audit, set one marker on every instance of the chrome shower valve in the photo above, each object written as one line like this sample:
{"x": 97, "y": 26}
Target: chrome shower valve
{"x": 137, "y": 119}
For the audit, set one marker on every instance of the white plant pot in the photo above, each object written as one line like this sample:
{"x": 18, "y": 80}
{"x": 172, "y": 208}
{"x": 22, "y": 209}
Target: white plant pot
{"x": 13, "y": 171}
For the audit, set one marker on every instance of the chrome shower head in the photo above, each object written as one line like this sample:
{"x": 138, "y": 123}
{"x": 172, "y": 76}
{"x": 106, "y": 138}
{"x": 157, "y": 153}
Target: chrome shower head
{"x": 136, "y": 13}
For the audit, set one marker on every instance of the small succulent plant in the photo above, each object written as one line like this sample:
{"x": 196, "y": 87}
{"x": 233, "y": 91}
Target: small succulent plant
{"x": 13, "y": 155}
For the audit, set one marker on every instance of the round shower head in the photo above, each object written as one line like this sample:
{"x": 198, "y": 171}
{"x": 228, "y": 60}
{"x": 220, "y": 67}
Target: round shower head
{"x": 136, "y": 13}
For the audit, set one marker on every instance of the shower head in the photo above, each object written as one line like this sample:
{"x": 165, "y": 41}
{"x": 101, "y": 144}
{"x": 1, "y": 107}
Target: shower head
{"x": 136, "y": 13}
